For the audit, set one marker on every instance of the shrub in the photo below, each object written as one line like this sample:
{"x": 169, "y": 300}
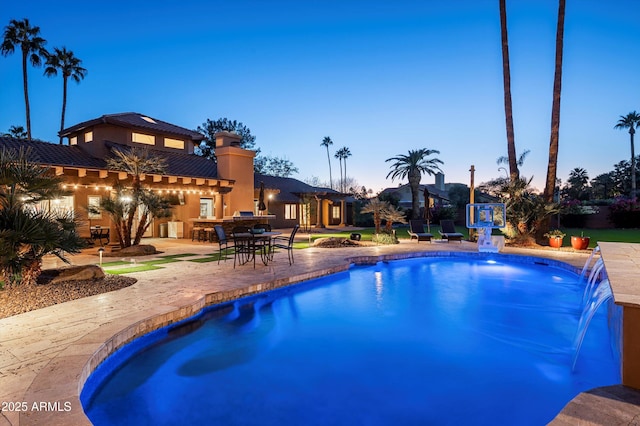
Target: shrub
{"x": 385, "y": 238}
{"x": 625, "y": 213}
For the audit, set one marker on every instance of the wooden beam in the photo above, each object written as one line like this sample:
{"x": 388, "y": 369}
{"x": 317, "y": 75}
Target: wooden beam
{"x": 142, "y": 176}
{"x": 103, "y": 174}
{"x": 59, "y": 171}
{"x": 173, "y": 179}
{"x": 82, "y": 172}
{"x": 200, "y": 181}
{"x": 122, "y": 175}
{"x": 157, "y": 178}
{"x": 186, "y": 180}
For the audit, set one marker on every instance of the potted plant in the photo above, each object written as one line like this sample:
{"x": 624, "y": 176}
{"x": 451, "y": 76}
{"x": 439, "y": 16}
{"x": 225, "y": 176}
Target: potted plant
{"x": 555, "y": 238}
{"x": 581, "y": 242}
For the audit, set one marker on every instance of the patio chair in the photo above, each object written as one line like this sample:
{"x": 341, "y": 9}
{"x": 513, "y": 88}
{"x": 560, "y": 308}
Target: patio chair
{"x": 286, "y": 243}
{"x": 264, "y": 226}
{"x": 416, "y": 230}
{"x": 448, "y": 231}
{"x": 223, "y": 242}
{"x": 246, "y": 246}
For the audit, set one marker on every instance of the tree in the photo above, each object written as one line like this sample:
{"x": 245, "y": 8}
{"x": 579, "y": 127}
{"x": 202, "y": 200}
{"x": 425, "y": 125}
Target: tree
{"x": 274, "y": 166}
{"x": 630, "y": 121}
{"x": 603, "y": 187}
{"x": 21, "y": 34}
{"x": 326, "y": 142}
{"x": 552, "y": 166}
{"x": 136, "y": 200}
{"x": 209, "y": 129}
{"x": 377, "y": 207}
{"x": 342, "y": 154}
{"x": 63, "y": 60}
{"x": 27, "y": 231}
{"x": 508, "y": 108}
{"x": 17, "y": 132}
{"x": 577, "y": 184}
{"x": 392, "y": 214}
{"x": 412, "y": 166}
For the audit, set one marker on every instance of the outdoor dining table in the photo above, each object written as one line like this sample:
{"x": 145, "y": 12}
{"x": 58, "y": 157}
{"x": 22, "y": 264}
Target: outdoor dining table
{"x": 247, "y": 243}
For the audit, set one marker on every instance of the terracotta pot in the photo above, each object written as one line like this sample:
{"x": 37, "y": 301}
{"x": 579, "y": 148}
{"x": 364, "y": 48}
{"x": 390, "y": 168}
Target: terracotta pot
{"x": 580, "y": 243}
{"x": 555, "y": 242}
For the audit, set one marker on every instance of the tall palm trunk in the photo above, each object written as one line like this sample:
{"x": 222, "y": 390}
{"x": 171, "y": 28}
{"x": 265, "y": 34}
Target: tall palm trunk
{"x": 555, "y": 110}
{"x": 329, "y": 160}
{"x": 26, "y": 92}
{"x": 414, "y": 186}
{"x": 341, "y": 179}
{"x": 514, "y": 173}
{"x": 632, "y": 132}
{"x": 64, "y": 103}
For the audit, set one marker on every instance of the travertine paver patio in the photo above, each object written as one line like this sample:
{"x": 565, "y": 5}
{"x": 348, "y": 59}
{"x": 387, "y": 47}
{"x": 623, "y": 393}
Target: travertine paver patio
{"x": 45, "y": 354}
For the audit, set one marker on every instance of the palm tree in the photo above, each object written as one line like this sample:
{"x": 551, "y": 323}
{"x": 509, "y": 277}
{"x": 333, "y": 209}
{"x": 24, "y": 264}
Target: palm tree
{"x": 69, "y": 66}
{"x": 338, "y": 155}
{"x": 378, "y": 208}
{"x": 630, "y": 121}
{"x": 552, "y": 166}
{"x": 22, "y": 34}
{"x": 508, "y": 108}
{"x": 412, "y": 166}
{"x": 342, "y": 155}
{"x": 27, "y": 234}
{"x": 17, "y": 132}
{"x": 124, "y": 206}
{"x": 326, "y": 142}
{"x": 346, "y": 153}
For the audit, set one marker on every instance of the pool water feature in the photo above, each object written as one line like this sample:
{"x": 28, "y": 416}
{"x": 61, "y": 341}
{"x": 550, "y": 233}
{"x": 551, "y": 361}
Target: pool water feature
{"x": 420, "y": 341}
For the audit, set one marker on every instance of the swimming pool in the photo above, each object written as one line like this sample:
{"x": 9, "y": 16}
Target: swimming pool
{"x": 458, "y": 340}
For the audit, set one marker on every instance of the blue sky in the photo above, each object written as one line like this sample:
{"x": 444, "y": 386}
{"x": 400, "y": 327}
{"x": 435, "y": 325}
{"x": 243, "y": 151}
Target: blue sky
{"x": 379, "y": 77}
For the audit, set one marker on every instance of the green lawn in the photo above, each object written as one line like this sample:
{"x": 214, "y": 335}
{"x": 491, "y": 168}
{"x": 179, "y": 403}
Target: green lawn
{"x": 610, "y": 235}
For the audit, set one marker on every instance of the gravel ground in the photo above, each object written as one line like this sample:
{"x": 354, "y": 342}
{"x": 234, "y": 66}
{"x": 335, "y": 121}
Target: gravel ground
{"x": 20, "y": 299}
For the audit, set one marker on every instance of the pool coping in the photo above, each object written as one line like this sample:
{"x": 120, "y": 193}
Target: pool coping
{"x": 64, "y": 375}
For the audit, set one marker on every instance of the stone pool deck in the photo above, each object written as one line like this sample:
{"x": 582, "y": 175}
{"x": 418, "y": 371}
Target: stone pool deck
{"x": 46, "y": 355}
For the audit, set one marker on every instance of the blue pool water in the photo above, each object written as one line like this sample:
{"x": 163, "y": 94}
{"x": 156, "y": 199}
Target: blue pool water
{"x": 427, "y": 341}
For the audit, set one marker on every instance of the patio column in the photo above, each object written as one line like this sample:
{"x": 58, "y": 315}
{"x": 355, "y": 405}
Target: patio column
{"x": 219, "y": 206}
{"x": 343, "y": 213}
{"x": 319, "y": 223}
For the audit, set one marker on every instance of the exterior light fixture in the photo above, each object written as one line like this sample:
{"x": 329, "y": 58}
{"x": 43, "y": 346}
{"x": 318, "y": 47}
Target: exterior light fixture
{"x": 100, "y": 252}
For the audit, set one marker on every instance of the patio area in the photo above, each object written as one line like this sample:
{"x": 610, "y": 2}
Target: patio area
{"x": 47, "y": 354}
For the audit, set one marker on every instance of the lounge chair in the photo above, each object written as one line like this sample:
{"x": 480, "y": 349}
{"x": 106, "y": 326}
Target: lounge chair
{"x": 416, "y": 230}
{"x": 448, "y": 231}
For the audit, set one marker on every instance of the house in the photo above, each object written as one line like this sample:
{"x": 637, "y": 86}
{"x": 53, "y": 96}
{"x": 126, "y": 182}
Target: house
{"x": 294, "y": 202}
{"x": 438, "y": 195}
{"x": 204, "y": 192}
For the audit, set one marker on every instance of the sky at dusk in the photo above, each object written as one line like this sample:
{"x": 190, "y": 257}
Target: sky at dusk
{"x": 379, "y": 77}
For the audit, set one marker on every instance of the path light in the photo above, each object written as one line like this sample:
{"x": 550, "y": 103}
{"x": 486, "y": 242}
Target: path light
{"x": 100, "y": 252}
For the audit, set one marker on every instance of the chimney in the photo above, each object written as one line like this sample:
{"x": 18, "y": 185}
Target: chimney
{"x": 440, "y": 181}
{"x": 235, "y": 163}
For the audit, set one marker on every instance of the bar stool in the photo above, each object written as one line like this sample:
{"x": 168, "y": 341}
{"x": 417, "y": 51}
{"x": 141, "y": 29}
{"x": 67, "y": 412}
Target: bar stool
{"x": 208, "y": 234}
{"x": 196, "y": 233}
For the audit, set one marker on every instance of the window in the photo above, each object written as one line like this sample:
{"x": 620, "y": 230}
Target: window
{"x": 305, "y": 214}
{"x": 173, "y": 143}
{"x": 335, "y": 212}
{"x": 93, "y": 202}
{"x": 73, "y": 140}
{"x": 142, "y": 138}
{"x": 59, "y": 206}
{"x": 290, "y": 211}
{"x": 206, "y": 208}
{"x": 88, "y": 137}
